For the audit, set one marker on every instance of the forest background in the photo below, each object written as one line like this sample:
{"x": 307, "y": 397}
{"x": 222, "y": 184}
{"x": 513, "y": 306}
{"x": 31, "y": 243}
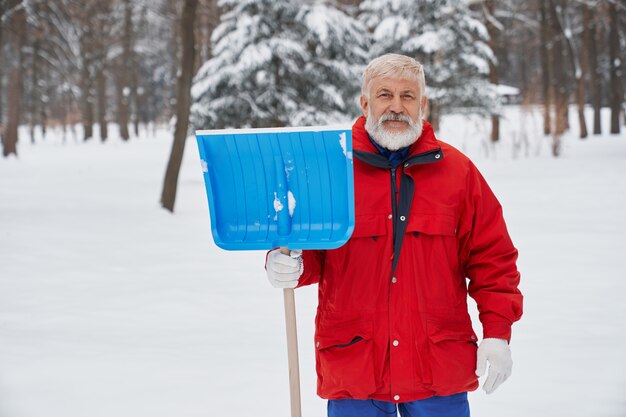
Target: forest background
{"x": 256, "y": 63}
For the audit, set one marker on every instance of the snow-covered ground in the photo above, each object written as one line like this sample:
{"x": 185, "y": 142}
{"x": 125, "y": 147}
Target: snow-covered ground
{"x": 111, "y": 306}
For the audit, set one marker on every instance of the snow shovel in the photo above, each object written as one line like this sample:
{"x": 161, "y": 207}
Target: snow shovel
{"x": 280, "y": 187}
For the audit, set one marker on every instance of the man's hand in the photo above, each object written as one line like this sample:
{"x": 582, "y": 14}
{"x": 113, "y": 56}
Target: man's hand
{"x": 283, "y": 270}
{"x": 498, "y": 354}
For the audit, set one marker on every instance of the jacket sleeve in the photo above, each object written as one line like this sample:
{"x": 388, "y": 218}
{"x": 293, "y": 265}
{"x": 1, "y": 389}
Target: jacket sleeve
{"x": 488, "y": 258}
{"x": 313, "y": 262}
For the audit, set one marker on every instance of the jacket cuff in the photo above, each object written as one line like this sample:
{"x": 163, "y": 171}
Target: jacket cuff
{"x": 266, "y": 256}
{"x": 497, "y": 330}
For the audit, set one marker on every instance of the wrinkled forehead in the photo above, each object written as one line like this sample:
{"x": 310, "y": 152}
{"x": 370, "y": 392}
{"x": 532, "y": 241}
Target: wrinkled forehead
{"x": 393, "y": 83}
{"x": 410, "y": 75}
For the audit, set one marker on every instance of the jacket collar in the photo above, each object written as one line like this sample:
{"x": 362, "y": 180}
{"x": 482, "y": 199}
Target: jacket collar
{"x": 425, "y": 149}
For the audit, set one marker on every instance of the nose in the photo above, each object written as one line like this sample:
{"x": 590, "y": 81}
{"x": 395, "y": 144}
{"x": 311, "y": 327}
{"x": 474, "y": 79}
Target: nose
{"x": 396, "y": 105}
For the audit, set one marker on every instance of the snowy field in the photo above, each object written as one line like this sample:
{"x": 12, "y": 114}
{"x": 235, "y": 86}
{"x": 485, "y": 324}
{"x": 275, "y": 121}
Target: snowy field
{"x": 111, "y": 306}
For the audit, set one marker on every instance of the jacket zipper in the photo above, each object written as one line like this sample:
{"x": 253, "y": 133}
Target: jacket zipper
{"x": 394, "y": 202}
{"x": 353, "y": 341}
{"x": 379, "y": 161}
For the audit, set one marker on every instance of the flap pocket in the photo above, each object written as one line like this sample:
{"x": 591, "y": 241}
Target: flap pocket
{"x": 432, "y": 224}
{"x": 370, "y": 225}
{"x": 439, "y": 331}
{"x": 342, "y": 335}
{"x": 451, "y": 354}
{"x": 345, "y": 357}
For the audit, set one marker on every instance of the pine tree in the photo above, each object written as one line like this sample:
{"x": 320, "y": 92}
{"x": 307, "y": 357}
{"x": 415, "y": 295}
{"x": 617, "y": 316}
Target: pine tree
{"x": 447, "y": 39}
{"x": 280, "y": 63}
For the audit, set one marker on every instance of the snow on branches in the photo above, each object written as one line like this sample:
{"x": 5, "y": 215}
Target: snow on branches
{"x": 280, "y": 63}
{"x": 446, "y": 37}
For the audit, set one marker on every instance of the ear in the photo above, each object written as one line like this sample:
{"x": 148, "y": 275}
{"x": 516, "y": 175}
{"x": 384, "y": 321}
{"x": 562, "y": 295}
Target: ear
{"x": 424, "y": 103}
{"x": 363, "y": 101}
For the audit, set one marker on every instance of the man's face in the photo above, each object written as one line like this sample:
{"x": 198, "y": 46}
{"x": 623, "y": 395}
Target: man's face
{"x": 390, "y": 95}
{"x": 393, "y": 112}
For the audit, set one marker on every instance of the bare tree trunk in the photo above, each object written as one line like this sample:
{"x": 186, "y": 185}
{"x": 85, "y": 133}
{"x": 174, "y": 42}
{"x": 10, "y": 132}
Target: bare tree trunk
{"x": 615, "y": 63}
{"x": 135, "y": 78}
{"x": 124, "y": 72}
{"x": 175, "y": 46}
{"x": 135, "y": 96}
{"x": 596, "y": 81}
{"x": 559, "y": 80}
{"x": 37, "y": 98}
{"x": 489, "y": 10}
{"x": 580, "y": 88}
{"x": 43, "y": 111}
{"x": 434, "y": 114}
{"x": 142, "y": 111}
{"x": 140, "y": 84}
{"x": 101, "y": 21}
{"x": 621, "y": 29}
{"x": 68, "y": 110}
{"x": 545, "y": 68}
{"x": 566, "y": 44}
{"x": 86, "y": 77}
{"x": 183, "y": 103}
{"x": 203, "y": 19}
{"x": 102, "y": 102}
{"x": 209, "y": 20}
{"x": 3, "y": 6}
{"x": 45, "y": 94}
{"x": 122, "y": 106}
{"x": 35, "y": 94}
{"x": 86, "y": 101}
{"x": 14, "y": 96}
{"x": 14, "y": 100}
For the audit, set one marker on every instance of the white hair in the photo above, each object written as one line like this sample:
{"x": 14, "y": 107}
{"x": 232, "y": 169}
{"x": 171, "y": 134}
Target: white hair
{"x": 393, "y": 65}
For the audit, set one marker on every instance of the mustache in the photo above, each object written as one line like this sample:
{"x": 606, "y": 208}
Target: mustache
{"x": 395, "y": 117}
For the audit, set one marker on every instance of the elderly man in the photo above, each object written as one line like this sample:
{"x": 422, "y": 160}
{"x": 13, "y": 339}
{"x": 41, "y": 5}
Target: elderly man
{"x": 393, "y": 331}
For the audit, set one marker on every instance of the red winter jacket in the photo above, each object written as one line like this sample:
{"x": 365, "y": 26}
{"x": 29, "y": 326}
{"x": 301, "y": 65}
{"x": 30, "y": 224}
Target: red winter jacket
{"x": 392, "y": 321}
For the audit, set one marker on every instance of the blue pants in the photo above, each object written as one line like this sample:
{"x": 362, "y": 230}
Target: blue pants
{"x": 451, "y": 406}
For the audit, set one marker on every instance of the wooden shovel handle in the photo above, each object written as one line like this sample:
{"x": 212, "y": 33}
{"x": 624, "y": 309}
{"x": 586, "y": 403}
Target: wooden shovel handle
{"x": 292, "y": 348}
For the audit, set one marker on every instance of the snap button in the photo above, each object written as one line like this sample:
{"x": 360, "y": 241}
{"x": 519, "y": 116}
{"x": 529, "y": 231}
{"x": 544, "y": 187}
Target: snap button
{"x": 437, "y": 156}
{"x": 474, "y": 337}
{"x": 389, "y": 217}
{"x": 396, "y": 343}
{"x": 396, "y": 397}
{"x": 402, "y": 218}
{"x": 394, "y": 280}
{"x": 406, "y": 165}
{"x": 317, "y": 344}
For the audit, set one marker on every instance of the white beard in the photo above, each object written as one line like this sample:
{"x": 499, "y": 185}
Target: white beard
{"x": 394, "y": 140}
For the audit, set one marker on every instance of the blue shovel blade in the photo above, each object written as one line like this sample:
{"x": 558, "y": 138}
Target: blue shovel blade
{"x": 289, "y": 187}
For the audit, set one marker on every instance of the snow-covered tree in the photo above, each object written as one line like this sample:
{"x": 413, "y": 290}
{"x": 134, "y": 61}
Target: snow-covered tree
{"x": 280, "y": 63}
{"x": 446, "y": 37}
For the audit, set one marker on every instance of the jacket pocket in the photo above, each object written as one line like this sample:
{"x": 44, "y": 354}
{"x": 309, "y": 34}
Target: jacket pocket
{"x": 433, "y": 252}
{"x": 452, "y": 347}
{"x": 432, "y": 224}
{"x": 344, "y": 354}
{"x": 351, "y": 272}
{"x": 369, "y": 226}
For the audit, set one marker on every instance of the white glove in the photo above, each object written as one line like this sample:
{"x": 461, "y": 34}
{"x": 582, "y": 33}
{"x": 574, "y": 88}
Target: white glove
{"x": 283, "y": 270}
{"x": 498, "y": 354}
